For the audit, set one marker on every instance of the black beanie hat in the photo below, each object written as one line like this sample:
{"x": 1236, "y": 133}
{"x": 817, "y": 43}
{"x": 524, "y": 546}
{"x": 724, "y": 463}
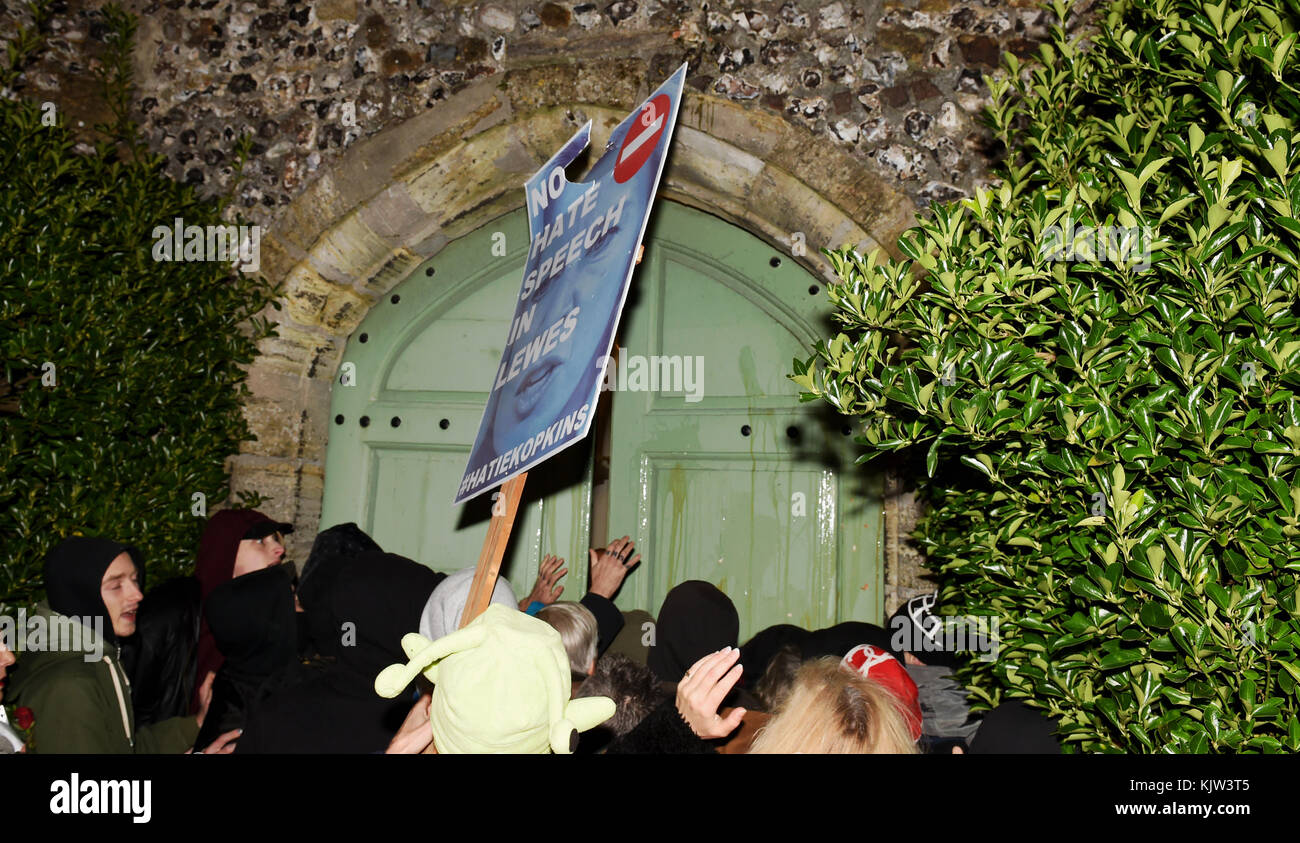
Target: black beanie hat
{"x": 74, "y": 577}
{"x": 916, "y": 628}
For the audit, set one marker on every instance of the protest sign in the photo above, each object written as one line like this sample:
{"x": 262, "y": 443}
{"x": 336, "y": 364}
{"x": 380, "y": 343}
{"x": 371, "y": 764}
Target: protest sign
{"x": 583, "y": 244}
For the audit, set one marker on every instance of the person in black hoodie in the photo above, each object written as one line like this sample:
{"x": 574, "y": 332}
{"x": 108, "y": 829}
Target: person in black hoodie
{"x": 373, "y": 602}
{"x": 695, "y": 620}
{"x": 332, "y": 551}
{"x": 252, "y": 621}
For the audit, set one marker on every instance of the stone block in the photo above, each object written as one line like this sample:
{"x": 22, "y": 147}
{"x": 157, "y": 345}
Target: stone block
{"x": 702, "y": 160}
{"x": 273, "y": 412}
{"x": 350, "y": 251}
{"x": 752, "y": 130}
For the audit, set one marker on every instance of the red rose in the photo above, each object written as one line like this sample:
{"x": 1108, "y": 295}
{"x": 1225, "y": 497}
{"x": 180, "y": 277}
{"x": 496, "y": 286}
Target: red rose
{"x": 23, "y": 717}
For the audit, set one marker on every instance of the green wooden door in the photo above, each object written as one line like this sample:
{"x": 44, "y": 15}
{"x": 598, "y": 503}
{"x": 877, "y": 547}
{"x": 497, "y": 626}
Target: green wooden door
{"x": 777, "y": 518}
{"x": 745, "y": 488}
{"x": 399, "y": 437}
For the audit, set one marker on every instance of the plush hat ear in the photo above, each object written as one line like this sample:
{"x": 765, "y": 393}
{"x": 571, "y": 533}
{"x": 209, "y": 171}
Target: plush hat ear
{"x": 423, "y": 653}
{"x": 414, "y": 642}
{"x": 564, "y": 737}
{"x": 589, "y": 712}
{"x": 579, "y": 716}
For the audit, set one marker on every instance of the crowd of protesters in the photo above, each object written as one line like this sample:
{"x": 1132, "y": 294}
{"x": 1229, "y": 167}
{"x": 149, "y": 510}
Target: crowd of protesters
{"x": 364, "y": 652}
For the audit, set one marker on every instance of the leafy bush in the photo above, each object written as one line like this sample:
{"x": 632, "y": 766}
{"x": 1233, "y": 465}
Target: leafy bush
{"x": 1112, "y": 447}
{"x": 120, "y": 377}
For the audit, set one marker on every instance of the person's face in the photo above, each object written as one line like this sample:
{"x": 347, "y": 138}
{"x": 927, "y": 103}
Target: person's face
{"x": 592, "y": 284}
{"x": 256, "y": 554}
{"x": 120, "y": 590}
{"x": 6, "y": 659}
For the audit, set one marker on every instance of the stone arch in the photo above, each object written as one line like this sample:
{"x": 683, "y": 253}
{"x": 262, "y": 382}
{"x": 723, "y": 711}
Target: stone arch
{"x": 395, "y": 199}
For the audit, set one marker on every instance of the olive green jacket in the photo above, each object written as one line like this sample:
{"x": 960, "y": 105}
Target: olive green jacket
{"x": 84, "y": 706}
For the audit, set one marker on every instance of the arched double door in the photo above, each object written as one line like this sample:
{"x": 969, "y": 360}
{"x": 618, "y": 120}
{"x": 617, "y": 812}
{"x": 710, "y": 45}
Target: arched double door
{"x": 710, "y": 461}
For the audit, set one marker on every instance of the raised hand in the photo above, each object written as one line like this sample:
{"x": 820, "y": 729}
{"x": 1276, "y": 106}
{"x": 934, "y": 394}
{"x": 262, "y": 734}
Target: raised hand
{"x": 610, "y": 565}
{"x": 702, "y": 690}
{"x": 545, "y": 590}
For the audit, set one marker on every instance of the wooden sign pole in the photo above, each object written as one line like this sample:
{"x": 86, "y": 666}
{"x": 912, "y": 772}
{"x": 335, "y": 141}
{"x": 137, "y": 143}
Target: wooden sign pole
{"x": 494, "y": 547}
{"x": 489, "y": 559}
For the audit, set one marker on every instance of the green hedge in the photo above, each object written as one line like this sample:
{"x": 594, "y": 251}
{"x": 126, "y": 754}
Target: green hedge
{"x": 1112, "y": 447}
{"x": 142, "y": 406}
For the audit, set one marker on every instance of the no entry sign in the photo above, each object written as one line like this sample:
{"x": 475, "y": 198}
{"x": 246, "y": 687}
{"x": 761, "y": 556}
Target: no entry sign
{"x": 643, "y": 138}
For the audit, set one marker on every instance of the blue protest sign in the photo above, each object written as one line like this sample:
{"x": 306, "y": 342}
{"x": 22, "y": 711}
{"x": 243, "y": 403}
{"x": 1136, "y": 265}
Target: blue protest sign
{"x": 584, "y": 238}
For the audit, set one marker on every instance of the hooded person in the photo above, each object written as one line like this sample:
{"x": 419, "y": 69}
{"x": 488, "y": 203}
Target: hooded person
{"x": 373, "y": 602}
{"x": 332, "y": 551}
{"x": 75, "y": 685}
{"x": 501, "y": 685}
{"x": 253, "y": 622}
{"x": 695, "y": 619}
{"x": 220, "y": 549}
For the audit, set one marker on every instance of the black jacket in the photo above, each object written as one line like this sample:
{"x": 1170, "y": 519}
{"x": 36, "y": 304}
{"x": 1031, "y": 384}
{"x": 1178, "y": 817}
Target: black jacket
{"x": 373, "y": 602}
{"x": 162, "y": 657}
{"x": 609, "y": 620}
{"x": 252, "y": 621}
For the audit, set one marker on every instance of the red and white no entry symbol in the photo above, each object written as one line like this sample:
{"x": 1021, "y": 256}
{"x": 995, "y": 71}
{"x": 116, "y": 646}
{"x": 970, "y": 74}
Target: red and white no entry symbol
{"x": 642, "y": 138}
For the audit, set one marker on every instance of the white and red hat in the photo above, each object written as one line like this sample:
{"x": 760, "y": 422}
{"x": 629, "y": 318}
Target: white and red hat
{"x": 881, "y": 667}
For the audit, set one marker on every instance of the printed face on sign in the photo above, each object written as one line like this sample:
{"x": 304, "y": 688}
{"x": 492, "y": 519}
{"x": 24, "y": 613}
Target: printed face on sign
{"x": 570, "y": 343}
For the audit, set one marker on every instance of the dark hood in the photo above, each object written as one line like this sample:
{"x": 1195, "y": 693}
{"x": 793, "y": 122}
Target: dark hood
{"x": 74, "y": 577}
{"x": 696, "y": 619}
{"x": 839, "y": 639}
{"x": 252, "y": 622}
{"x": 375, "y": 602}
{"x": 332, "y": 551}
{"x": 759, "y": 650}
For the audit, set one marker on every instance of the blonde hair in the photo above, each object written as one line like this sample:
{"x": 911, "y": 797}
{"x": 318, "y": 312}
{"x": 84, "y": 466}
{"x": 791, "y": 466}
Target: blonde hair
{"x": 577, "y": 627}
{"x": 832, "y": 710}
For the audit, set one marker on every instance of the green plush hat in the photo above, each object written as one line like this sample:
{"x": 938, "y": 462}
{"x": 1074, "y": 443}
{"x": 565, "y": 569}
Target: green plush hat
{"x": 501, "y": 684}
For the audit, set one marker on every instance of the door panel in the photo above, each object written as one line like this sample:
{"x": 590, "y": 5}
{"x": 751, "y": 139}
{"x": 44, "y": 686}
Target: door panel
{"x": 745, "y": 488}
